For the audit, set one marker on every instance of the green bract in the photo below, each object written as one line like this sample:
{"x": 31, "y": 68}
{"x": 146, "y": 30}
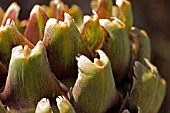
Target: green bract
{"x": 117, "y": 47}
{"x": 94, "y": 85}
{"x": 43, "y": 106}
{"x": 29, "y": 79}
{"x": 63, "y": 43}
{"x": 9, "y": 38}
{"x": 64, "y": 105}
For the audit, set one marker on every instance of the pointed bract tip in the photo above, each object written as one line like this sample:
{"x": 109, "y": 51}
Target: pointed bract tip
{"x": 9, "y": 22}
{"x": 103, "y": 58}
{"x": 12, "y": 12}
{"x": 38, "y": 49}
{"x": 67, "y": 18}
{"x": 119, "y": 2}
{"x": 40, "y": 43}
{"x": 151, "y": 66}
{"x": 136, "y": 63}
{"x": 17, "y": 52}
{"x": 64, "y": 105}
{"x": 44, "y": 102}
{"x": 35, "y": 9}
{"x": 43, "y": 106}
{"x": 57, "y": 1}
{"x": 51, "y": 21}
{"x": 103, "y": 21}
{"x": 118, "y": 21}
{"x": 25, "y": 52}
{"x": 86, "y": 18}
{"x": 88, "y": 66}
{"x": 15, "y": 5}
{"x": 163, "y": 81}
{"x": 59, "y": 99}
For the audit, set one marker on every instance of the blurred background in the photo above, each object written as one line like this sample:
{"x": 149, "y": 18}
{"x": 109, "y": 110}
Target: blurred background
{"x": 148, "y": 15}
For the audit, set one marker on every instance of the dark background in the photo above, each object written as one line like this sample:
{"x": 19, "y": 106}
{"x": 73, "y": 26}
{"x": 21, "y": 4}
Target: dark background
{"x": 152, "y": 16}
